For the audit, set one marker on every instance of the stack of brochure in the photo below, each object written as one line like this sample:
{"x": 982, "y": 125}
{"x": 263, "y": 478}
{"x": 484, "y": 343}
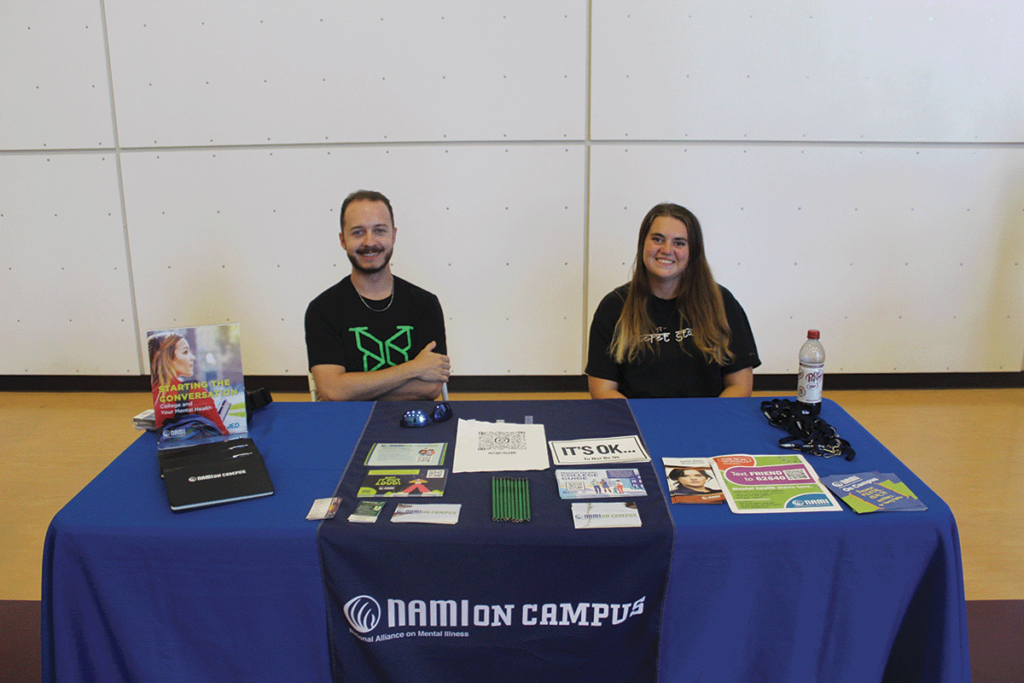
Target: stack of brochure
{"x": 873, "y": 492}
{"x": 145, "y": 421}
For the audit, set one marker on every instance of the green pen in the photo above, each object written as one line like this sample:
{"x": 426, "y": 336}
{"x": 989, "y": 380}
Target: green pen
{"x": 519, "y": 512}
{"x": 522, "y": 500}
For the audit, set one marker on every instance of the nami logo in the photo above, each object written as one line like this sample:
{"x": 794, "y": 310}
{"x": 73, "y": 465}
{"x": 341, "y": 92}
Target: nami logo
{"x": 363, "y": 613}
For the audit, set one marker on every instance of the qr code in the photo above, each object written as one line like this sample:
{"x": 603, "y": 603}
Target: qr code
{"x": 494, "y": 441}
{"x": 795, "y": 474}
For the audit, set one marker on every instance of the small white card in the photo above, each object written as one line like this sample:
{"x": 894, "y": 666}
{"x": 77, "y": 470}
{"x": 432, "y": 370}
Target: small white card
{"x": 324, "y": 508}
{"x": 605, "y": 515}
{"x": 438, "y": 513}
{"x": 596, "y": 451}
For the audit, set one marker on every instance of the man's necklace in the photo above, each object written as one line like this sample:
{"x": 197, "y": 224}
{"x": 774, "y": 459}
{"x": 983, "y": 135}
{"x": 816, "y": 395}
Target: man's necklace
{"x": 391, "y": 300}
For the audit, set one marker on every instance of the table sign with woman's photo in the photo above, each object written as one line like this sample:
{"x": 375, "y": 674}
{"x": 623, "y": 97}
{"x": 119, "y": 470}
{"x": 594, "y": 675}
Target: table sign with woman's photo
{"x": 198, "y": 390}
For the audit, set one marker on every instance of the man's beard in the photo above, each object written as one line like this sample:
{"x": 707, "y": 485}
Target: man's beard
{"x": 354, "y": 260}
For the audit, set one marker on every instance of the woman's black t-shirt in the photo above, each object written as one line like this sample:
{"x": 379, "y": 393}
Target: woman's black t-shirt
{"x": 673, "y": 370}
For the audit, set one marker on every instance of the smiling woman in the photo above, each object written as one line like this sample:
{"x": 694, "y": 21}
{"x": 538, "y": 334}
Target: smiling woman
{"x": 672, "y": 331}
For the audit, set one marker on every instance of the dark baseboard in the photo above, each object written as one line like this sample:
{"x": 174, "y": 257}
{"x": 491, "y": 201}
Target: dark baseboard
{"x": 784, "y": 384}
{"x": 20, "y": 642}
{"x": 994, "y": 629}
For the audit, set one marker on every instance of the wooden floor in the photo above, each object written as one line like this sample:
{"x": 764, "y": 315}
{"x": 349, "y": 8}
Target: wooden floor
{"x": 967, "y": 445}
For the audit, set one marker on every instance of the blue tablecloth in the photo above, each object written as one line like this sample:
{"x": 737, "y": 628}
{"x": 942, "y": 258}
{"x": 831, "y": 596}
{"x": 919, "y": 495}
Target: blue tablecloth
{"x": 835, "y": 597}
{"x": 134, "y": 592}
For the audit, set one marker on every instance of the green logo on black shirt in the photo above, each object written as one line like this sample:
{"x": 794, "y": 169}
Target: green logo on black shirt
{"x": 376, "y": 351}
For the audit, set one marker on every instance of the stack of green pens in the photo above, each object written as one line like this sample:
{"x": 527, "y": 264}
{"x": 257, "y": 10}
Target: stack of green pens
{"x": 510, "y": 499}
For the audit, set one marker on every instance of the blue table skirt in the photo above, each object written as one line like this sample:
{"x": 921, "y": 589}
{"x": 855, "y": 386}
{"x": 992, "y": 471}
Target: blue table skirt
{"x": 134, "y": 592}
{"x": 613, "y": 580}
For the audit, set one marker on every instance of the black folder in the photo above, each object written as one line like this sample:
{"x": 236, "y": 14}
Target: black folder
{"x": 214, "y": 473}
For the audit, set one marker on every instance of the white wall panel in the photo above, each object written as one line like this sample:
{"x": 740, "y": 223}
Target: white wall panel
{"x": 200, "y": 73}
{"x": 251, "y": 236}
{"x": 53, "y": 76}
{"x": 808, "y": 70}
{"x": 66, "y": 306}
{"x": 907, "y": 259}
{"x": 775, "y": 122}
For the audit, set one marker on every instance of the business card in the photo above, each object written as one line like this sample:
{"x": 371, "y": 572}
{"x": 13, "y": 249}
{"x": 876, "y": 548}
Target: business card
{"x": 324, "y": 508}
{"x": 439, "y": 513}
{"x": 605, "y": 515}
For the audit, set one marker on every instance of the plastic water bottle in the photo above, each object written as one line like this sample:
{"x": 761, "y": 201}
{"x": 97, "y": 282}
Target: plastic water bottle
{"x": 812, "y": 373}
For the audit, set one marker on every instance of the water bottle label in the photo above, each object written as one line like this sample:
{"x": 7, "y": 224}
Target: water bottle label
{"x": 809, "y": 381}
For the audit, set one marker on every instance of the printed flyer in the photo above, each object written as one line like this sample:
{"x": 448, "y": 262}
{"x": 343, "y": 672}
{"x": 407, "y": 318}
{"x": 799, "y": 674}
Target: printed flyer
{"x": 413, "y": 482}
{"x": 499, "y": 447}
{"x": 618, "y": 483}
{"x": 692, "y": 480}
{"x": 873, "y": 492}
{"x": 772, "y": 483}
{"x": 198, "y": 392}
{"x": 406, "y": 455}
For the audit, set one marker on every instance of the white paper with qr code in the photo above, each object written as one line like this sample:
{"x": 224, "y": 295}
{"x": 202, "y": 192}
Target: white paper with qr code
{"x": 499, "y": 447}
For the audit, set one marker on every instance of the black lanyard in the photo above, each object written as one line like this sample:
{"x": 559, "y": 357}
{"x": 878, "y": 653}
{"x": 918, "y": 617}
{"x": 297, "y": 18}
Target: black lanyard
{"x": 807, "y": 434}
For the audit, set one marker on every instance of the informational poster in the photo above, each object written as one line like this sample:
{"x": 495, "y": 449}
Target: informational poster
{"x": 772, "y": 483}
{"x": 499, "y": 447}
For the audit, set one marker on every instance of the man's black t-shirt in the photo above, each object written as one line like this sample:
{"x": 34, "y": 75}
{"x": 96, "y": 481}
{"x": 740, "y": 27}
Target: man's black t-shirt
{"x": 342, "y": 330}
{"x": 672, "y": 370}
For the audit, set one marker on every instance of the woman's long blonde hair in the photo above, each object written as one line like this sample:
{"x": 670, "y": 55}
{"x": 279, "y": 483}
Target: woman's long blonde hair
{"x": 699, "y": 299}
{"x": 161, "y": 353}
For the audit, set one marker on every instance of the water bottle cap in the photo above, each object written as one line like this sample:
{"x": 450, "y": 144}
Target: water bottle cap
{"x": 813, "y": 334}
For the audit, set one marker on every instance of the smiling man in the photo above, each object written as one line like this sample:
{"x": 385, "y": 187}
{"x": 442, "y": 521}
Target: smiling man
{"x": 374, "y": 336}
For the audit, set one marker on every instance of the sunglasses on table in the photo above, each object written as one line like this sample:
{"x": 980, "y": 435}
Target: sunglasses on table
{"x": 421, "y": 418}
